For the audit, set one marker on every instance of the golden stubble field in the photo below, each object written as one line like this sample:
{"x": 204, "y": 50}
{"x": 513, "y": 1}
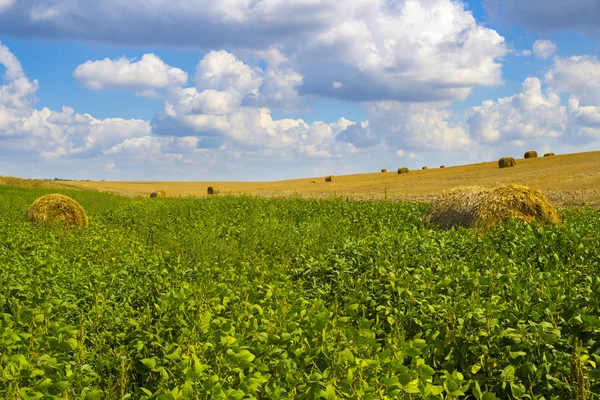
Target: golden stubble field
{"x": 566, "y": 179}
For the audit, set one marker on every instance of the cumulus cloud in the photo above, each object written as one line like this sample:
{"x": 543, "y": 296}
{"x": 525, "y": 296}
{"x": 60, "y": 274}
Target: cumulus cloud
{"x": 416, "y": 127}
{"x": 359, "y": 135}
{"x": 146, "y": 74}
{"x": 408, "y": 50}
{"x": 528, "y": 114}
{"x": 221, "y": 70}
{"x": 577, "y": 75}
{"x": 549, "y": 15}
{"x": 199, "y": 128}
{"x": 6, "y": 4}
{"x": 414, "y": 52}
{"x": 52, "y": 134}
{"x": 538, "y": 115}
{"x": 544, "y": 48}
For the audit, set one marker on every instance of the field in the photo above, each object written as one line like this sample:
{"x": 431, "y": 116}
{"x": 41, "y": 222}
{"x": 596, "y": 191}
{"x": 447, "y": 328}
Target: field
{"x": 566, "y": 179}
{"x": 237, "y": 298}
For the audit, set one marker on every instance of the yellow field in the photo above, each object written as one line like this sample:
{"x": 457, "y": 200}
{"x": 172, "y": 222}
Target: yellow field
{"x": 566, "y": 179}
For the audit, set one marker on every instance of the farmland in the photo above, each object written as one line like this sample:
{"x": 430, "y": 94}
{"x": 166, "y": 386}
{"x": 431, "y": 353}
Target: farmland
{"x": 237, "y": 297}
{"x": 566, "y": 179}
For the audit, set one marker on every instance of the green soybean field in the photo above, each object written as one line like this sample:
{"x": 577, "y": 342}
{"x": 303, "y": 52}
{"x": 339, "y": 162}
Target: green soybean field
{"x": 233, "y": 297}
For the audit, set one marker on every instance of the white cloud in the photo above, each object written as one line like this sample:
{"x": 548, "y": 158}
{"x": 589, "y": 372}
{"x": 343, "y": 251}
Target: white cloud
{"x": 6, "y": 4}
{"x": 528, "y": 114}
{"x": 148, "y": 73}
{"x": 414, "y": 51}
{"x": 416, "y": 127}
{"x": 533, "y": 115}
{"x": 149, "y": 93}
{"x": 337, "y": 85}
{"x": 220, "y": 70}
{"x": 280, "y": 82}
{"x": 578, "y": 75}
{"x": 544, "y": 48}
{"x": 41, "y": 13}
{"x": 48, "y": 133}
{"x": 584, "y": 122}
{"x": 407, "y": 50}
{"x": 12, "y": 66}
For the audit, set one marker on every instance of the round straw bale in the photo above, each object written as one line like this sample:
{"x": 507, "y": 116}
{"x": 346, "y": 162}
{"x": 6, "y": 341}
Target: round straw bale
{"x": 442, "y": 166}
{"x": 383, "y": 170}
{"x": 403, "y": 170}
{"x": 57, "y": 207}
{"x": 506, "y": 162}
{"x": 160, "y": 193}
{"x": 212, "y": 190}
{"x": 329, "y": 178}
{"x": 548, "y": 154}
{"x": 425, "y": 167}
{"x": 479, "y": 208}
{"x": 531, "y": 154}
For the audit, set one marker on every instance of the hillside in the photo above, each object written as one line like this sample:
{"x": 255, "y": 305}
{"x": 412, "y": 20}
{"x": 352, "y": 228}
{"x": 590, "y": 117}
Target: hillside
{"x": 566, "y": 179}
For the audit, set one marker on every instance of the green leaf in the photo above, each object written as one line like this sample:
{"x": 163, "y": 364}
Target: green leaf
{"x": 411, "y": 388}
{"x": 329, "y": 393}
{"x": 489, "y": 396}
{"x": 425, "y": 371}
{"x": 508, "y": 374}
{"x": 150, "y": 363}
{"x": 477, "y": 391}
{"x": 245, "y": 355}
{"x": 517, "y": 354}
{"x": 517, "y": 390}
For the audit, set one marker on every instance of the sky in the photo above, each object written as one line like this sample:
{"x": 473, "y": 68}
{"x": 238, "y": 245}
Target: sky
{"x": 258, "y": 90}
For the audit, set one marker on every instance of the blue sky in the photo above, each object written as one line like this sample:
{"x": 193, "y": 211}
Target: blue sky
{"x": 195, "y": 90}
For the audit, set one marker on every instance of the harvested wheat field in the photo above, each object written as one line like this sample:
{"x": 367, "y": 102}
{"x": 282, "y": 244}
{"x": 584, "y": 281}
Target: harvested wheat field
{"x": 564, "y": 179}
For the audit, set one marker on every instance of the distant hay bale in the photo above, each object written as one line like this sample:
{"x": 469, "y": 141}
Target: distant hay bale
{"x": 383, "y": 170}
{"x": 506, "y": 162}
{"x": 403, "y": 170}
{"x": 442, "y": 166}
{"x": 480, "y": 208}
{"x": 425, "y": 167}
{"x": 329, "y": 178}
{"x": 212, "y": 190}
{"x": 160, "y": 193}
{"x": 548, "y": 154}
{"x": 57, "y": 208}
{"x": 531, "y": 154}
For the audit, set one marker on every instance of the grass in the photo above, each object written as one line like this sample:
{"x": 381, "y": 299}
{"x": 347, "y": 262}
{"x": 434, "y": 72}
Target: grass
{"x": 566, "y": 179}
{"x": 238, "y": 297}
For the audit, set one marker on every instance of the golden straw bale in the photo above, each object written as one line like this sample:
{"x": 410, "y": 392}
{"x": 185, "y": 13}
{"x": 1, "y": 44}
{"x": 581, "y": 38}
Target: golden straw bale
{"x": 160, "y": 193}
{"x": 212, "y": 190}
{"x": 548, "y": 154}
{"x": 329, "y": 178}
{"x": 480, "y": 208}
{"x": 403, "y": 170}
{"x": 442, "y": 166}
{"x": 57, "y": 208}
{"x": 383, "y": 170}
{"x": 531, "y": 154}
{"x": 425, "y": 167}
{"x": 506, "y": 162}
